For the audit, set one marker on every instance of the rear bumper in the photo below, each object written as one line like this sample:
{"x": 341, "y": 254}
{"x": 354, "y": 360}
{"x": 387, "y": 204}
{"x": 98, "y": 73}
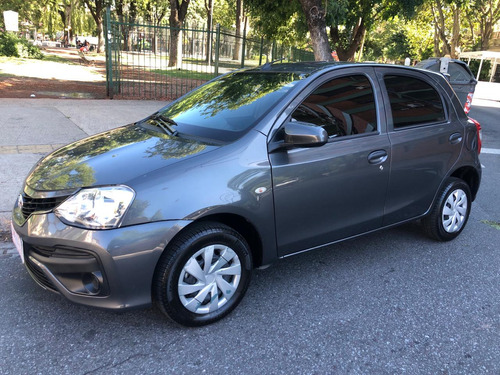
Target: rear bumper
{"x": 110, "y": 269}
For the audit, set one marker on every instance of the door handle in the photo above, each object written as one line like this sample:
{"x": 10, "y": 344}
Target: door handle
{"x": 455, "y": 138}
{"x": 377, "y": 157}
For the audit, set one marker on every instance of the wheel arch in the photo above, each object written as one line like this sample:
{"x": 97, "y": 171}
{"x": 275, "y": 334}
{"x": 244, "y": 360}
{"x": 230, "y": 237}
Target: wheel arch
{"x": 470, "y": 176}
{"x": 246, "y": 229}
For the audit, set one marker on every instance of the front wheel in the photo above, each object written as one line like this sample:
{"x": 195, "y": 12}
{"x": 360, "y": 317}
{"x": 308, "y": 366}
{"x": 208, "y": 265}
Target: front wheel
{"x": 450, "y": 211}
{"x": 203, "y": 274}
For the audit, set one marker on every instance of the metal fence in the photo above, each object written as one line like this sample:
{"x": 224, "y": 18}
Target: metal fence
{"x": 140, "y": 60}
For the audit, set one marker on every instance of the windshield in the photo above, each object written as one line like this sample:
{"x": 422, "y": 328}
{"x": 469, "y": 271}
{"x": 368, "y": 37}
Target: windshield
{"x": 225, "y": 109}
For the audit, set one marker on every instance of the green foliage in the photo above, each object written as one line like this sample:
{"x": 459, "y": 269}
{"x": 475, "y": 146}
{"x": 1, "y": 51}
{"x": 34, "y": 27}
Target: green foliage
{"x": 398, "y": 47}
{"x": 420, "y": 34}
{"x": 185, "y": 74}
{"x": 492, "y": 224}
{"x": 388, "y": 41}
{"x": 281, "y": 20}
{"x": 13, "y": 46}
{"x": 485, "y": 69}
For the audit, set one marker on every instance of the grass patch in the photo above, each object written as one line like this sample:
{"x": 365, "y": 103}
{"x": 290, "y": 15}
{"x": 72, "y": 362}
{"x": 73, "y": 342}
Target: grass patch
{"x": 57, "y": 59}
{"x": 15, "y": 60}
{"x": 223, "y": 63}
{"x": 186, "y": 74}
{"x": 492, "y": 224}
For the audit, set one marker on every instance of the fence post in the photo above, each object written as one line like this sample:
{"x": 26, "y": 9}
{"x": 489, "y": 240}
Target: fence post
{"x": 109, "y": 66}
{"x": 243, "y": 47}
{"x": 217, "y": 47}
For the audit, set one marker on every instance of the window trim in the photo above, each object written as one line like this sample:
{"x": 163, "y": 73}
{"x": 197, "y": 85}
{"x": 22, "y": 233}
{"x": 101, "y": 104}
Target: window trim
{"x": 383, "y": 72}
{"x": 313, "y": 86}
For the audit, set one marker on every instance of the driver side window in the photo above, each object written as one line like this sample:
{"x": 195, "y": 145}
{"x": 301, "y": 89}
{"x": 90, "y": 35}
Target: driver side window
{"x": 342, "y": 106}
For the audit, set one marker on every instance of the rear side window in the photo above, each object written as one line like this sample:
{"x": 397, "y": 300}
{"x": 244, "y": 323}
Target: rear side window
{"x": 413, "y": 101}
{"x": 342, "y": 106}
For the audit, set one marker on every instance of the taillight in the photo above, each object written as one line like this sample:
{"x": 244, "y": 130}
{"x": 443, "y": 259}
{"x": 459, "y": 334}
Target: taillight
{"x": 479, "y": 134}
{"x": 468, "y": 103}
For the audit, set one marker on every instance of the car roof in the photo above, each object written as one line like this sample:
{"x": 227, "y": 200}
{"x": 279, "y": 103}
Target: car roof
{"x": 306, "y": 67}
{"x": 311, "y": 67}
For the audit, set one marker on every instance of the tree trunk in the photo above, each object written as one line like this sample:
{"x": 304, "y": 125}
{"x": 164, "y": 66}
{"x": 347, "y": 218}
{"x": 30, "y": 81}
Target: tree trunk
{"x": 209, "y": 7}
{"x": 178, "y": 13}
{"x": 347, "y": 53}
{"x": 315, "y": 17}
{"x": 239, "y": 30}
{"x": 486, "y": 36}
{"x": 100, "y": 34}
{"x": 121, "y": 10}
{"x": 175, "y": 53}
{"x": 437, "y": 51}
{"x": 96, "y": 8}
{"x": 440, "y": 27}
{"x": 455, "y": 35}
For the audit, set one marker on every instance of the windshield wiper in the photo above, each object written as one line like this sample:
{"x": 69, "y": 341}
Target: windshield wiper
{"x": 164, "y": 123}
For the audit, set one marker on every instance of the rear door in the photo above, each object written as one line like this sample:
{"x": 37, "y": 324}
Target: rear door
{"x": 426, "y": 140}
{"x": 338, "y": 190}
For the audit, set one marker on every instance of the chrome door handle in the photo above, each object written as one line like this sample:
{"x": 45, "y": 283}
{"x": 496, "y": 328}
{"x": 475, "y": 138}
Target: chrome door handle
{"x": 455, "y": 138}
{"x": 377, "y": 157}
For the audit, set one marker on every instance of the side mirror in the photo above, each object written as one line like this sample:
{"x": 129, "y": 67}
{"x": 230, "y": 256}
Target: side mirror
{"x": 301, "y": 134}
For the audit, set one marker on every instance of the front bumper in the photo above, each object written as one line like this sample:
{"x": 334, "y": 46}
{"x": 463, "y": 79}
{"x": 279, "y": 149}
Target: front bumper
{"x": 110, "y": 269}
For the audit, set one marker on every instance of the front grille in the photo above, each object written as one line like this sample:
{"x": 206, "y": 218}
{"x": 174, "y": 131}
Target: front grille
{"x": 60, "y": 252}
{"x": 32, "y": 205}
{"x": 38, "y": 275}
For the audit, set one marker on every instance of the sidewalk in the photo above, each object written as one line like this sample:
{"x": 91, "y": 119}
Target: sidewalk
{"x": 487, "y": 91}
{"x": 31, "y": 128}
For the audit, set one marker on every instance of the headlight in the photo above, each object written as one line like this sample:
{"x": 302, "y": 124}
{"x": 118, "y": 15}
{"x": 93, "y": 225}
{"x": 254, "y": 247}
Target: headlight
{"x": 96, "y": 208}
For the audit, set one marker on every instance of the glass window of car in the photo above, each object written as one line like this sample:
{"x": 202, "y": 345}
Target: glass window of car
{"x": 413, "y": 101}
{"x": 224, "y": 109}
{"x": 342, "y": 106}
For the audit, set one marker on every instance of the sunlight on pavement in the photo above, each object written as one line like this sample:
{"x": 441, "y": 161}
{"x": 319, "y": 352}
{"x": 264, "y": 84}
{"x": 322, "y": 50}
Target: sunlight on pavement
{"x": 50, "y": 70}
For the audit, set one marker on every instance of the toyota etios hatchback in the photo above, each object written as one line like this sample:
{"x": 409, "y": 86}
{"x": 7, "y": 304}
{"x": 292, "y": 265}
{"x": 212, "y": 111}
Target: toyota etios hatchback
{"x": 251, "y": 167}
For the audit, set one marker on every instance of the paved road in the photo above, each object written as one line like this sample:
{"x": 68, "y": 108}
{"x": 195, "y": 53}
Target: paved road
{"x": 389, "y": 303}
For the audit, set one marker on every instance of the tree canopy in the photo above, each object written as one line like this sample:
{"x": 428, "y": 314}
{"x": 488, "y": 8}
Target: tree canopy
{"x": 376, "y": 29}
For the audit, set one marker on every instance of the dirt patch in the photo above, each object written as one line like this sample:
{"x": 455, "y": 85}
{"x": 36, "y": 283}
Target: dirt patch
{"x": 26, "y": 87}
{"x": 67, "y": 76}
{"x": 49, "y": 79}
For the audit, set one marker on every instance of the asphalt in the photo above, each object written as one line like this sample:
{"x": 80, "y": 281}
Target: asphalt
{"x": 32, "y": 128}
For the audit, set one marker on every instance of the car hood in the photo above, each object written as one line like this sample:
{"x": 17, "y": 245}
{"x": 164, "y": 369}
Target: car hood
{"x": 111, "y": 158}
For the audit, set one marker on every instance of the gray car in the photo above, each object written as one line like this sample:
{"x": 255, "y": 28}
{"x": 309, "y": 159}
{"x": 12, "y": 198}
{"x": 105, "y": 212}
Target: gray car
{"x": 251, "y": 167}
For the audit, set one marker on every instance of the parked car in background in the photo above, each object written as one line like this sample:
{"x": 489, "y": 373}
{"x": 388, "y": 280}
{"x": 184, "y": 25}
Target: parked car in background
{"x": 253, "y": 166}
{"x": 458, "y": 74}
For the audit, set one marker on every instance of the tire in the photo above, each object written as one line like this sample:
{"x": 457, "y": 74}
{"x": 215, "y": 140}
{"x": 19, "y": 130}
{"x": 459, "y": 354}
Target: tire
{"x": 203, "y": 275}
{"x": 450, "y": 212}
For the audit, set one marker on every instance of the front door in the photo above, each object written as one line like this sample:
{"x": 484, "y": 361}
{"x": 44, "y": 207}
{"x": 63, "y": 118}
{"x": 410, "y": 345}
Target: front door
{"x": 338, "y": 190}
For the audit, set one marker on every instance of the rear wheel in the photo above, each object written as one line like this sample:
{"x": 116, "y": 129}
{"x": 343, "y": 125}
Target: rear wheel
{"x": 450, "y": 212}
{"x": 203, "y": 274}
